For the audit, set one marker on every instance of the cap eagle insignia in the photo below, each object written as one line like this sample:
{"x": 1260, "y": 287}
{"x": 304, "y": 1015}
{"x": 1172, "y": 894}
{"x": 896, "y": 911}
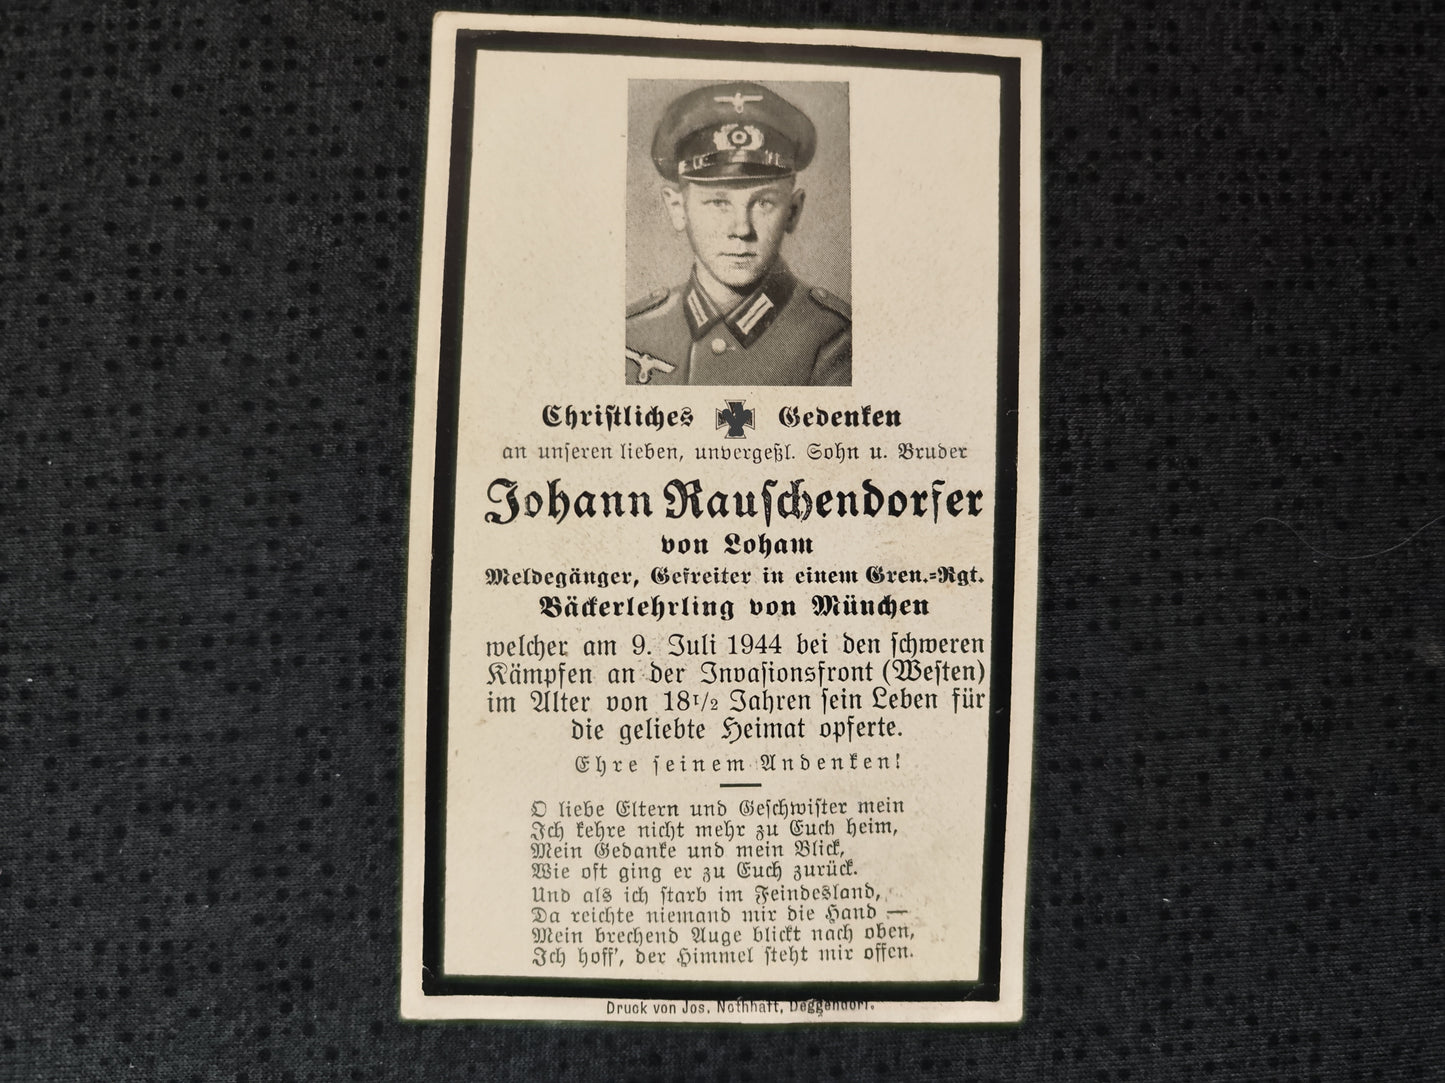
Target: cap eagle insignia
{"x": 738, "y": 99}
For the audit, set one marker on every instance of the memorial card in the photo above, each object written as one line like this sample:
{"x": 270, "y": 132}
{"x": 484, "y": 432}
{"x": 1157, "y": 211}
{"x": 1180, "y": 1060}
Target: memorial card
{"x": 723, "y": 560}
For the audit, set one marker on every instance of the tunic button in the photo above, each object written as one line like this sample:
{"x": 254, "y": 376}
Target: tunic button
{"x": 719, "y": 346}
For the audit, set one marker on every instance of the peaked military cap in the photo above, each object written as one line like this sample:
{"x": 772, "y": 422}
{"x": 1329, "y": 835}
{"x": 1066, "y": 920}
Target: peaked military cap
{"x": 732, "y": 131}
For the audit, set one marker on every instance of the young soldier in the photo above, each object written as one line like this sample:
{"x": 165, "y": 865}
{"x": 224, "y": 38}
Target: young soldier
{"x": 730, "y": 154}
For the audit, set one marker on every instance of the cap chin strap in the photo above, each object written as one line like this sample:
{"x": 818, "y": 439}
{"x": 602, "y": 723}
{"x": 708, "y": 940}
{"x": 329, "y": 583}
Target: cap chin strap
{"x": 778, "y": 165}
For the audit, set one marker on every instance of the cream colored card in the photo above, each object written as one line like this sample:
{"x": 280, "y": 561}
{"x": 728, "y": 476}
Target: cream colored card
{"x": 721, "y": 599}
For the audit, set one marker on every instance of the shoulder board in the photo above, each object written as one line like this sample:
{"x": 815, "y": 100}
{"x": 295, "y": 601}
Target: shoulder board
{"x": 647, "y": 304}
{"x": 832, "y": 303}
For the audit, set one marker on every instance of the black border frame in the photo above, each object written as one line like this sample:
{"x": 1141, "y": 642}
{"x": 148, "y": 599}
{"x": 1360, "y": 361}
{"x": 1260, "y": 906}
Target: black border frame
{"x": 469, "y": 46}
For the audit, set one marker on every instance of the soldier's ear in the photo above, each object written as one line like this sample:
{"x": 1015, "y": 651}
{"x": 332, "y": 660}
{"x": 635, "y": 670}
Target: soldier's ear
{"x": 675, "y": 206}
{"x": 795, "y": 209}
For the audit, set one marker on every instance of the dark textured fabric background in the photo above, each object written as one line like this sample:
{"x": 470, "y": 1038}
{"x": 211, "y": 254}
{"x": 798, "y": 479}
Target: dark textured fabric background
{"x": 209, "y": 231}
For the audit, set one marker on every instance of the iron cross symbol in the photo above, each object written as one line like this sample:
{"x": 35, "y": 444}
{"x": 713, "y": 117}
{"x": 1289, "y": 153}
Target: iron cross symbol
{"x": 735, "y": 418}
{"x": 739, "y": 99}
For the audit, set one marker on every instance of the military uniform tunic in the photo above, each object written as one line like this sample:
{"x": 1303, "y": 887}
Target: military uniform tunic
{"x": 783, "y": 333}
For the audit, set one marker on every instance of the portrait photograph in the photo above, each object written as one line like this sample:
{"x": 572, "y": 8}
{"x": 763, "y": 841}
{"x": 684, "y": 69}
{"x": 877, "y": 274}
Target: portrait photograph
{"x": 738, "y": 233}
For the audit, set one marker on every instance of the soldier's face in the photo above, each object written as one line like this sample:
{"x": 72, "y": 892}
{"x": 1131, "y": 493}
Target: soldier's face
{"x": 736, "y": 228}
